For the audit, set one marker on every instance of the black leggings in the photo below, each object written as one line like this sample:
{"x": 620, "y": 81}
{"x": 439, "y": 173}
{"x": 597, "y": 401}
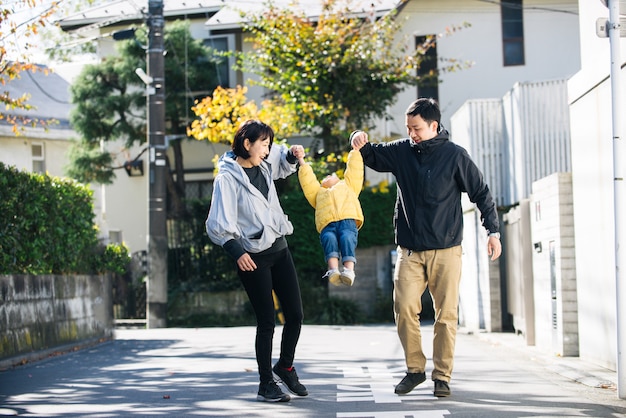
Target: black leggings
{"x": 274, "y": 271}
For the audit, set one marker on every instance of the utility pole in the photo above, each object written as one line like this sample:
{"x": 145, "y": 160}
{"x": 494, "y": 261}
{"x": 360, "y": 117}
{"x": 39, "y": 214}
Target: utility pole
{"x": 620, "y": 192}
{"x": 156, "y": 311}
{"x": 612, "y": 28}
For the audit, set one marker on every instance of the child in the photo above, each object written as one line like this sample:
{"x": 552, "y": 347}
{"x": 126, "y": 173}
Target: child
{"x": 338, "y": 214}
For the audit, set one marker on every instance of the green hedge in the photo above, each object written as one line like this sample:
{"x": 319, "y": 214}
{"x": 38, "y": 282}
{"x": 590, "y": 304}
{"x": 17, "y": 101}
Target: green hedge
{"x": 196, "y": 264}
{"x": 47, "y": 227}
{"x": 305, "y": 245}
{"x": 378, "y": 206}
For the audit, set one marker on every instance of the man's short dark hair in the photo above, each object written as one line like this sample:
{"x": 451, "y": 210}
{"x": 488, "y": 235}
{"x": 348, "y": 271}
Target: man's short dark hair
{"x": 253, "y": 130}
{"x": 427, "y": 108}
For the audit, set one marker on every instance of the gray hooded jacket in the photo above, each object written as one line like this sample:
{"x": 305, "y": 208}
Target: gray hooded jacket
{"x": 239, "y": 210}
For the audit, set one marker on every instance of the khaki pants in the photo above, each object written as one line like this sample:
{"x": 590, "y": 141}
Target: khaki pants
{"x": 440, "y": 270}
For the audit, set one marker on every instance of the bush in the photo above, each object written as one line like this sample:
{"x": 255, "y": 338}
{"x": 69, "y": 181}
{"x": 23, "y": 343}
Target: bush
{"x": 378, "y": 207}
{"x": 196, "y": 264}
{"x": 114, "y": 258}
{"x": 47, "y": 227}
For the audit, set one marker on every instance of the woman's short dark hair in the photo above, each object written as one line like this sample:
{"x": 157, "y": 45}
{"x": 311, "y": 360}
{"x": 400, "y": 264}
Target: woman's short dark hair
{"x": 253, "y": 130}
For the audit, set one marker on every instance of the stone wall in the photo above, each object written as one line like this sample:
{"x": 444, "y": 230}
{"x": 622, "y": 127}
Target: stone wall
{"x": 373, "y": 278}
{"x": 40, "y": 313}
{"x": 221, "y": 303}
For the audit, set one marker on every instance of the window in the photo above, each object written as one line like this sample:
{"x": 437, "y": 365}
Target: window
{"x": 225, "y": 74}
{"x": 512, "y": 14}
{"x": 115, "y": 236}
{"x": 38, "y": 157}
{"x": 429, "y": 84}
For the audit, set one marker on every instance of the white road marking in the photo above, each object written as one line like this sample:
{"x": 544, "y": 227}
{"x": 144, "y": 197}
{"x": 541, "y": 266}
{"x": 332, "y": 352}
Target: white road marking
{"x": 434, "y": 413}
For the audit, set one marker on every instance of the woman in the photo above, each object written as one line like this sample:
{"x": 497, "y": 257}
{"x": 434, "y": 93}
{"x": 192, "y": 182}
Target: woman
{"x": 246, "y": 219}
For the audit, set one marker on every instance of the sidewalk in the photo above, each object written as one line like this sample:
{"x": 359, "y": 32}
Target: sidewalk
{"x": 349, "y": 371}
{"x": 572, "y": 368}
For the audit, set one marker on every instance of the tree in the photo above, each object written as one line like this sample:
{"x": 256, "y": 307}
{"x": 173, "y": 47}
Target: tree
{"x": 220, "y": 114}
{"x": 111, "y": 105}
{"x": 16, "y": 36}
{"x": 339, "y": 72}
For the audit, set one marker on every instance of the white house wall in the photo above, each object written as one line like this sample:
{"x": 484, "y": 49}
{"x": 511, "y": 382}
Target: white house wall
{"x": 125, "y": 201}
{"x": 592, "y": 177}
{"x": 551, "y": 48}
{"x": 16, "y": 151}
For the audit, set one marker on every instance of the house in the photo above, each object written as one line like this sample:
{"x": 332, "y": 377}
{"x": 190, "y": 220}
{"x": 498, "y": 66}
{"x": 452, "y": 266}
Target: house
{"x": 560, "y": 167}
{"x": 126, "y": 200}
{"x": 100, "y": 23}
{"x": 40, "y": 149}
{"x": 513, "y": 43}
{"x": 541, "y": 42}
{"x": 595, "y": 211}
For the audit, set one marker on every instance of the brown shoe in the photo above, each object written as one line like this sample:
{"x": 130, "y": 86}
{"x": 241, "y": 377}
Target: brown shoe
{"x": 442, "y": 389}
{"x": 409, "y": 382}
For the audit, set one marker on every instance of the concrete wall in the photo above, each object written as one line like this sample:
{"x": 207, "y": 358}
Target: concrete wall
{"x": 518, "y": 256}
{"x": 480, "y": 292}
{"x": 39, "y": 313}
{"x": 373, "y": 276}
{"x": 224, "y": 303}
{"x": 554, "y": 265}
{"x": 590, "y": 99}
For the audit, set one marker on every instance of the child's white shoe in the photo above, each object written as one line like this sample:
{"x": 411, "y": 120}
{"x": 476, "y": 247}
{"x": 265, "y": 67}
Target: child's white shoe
{"x": 347, "y": 277}
{"x": 333, "y": 276}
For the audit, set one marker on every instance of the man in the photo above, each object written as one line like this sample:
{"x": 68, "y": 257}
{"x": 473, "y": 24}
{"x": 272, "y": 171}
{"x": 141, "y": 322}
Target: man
{"x": 431, "y": 173}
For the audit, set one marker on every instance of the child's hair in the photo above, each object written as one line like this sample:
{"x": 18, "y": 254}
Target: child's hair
{"x": 253, "y": 130}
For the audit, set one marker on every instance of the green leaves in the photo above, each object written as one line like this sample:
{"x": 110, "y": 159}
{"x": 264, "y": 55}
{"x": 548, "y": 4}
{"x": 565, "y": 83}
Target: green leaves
{"x": 46, "y": 227}
{"x": 340, "y": 71}
{"x": 111, "y": 100}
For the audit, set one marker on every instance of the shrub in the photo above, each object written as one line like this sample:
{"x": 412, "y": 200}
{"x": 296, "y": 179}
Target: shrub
{"x": 196, "y": 264}
{"x": 47, "y": 227}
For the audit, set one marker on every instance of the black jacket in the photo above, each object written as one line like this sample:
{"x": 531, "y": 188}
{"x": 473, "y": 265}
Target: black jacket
{"x": 430, "y": 177}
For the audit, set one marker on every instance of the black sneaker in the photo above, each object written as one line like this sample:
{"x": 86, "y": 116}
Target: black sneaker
{"x": 290, "y": 378}
{"x": 270, "y": 392}
{"x": 409, "y": 382}
{"x": 442, "y": 389}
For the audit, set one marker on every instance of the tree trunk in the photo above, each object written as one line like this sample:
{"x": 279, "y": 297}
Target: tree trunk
{"x": 176, "y": 187}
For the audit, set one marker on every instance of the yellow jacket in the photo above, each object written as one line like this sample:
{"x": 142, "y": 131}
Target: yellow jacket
{"x": 340, "y": 201}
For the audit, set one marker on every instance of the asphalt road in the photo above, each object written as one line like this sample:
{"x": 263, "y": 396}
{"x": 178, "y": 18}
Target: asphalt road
{"x": 349, "y": 371}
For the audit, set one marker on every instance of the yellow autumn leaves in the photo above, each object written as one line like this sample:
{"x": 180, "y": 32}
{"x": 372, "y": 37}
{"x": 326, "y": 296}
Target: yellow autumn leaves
{"x": 220, "y": 115}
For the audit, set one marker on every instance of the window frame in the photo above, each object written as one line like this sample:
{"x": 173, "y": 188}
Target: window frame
{"x": 38, "y": 161}
{"x": 512, "y": 15}
{"x": 431, "y": 54}
{"x": 230, "y": 45}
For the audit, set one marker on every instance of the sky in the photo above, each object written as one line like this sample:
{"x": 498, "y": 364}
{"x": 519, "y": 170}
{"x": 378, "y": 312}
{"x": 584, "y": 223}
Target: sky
{"x": 18, "y": 44}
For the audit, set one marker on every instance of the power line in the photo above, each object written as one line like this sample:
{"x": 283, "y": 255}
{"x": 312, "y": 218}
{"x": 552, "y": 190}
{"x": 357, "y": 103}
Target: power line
{"x": 32, "y": 78}
{"x": 522, "y": 7}
{"x": 53, "y": 6}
